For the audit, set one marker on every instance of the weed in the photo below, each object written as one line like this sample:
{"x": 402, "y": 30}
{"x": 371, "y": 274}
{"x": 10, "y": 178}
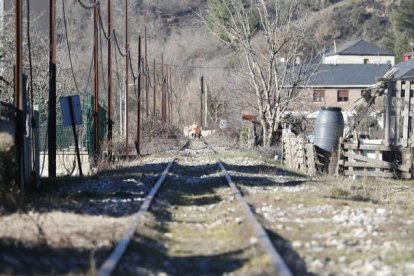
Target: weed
{"x": 337, "y": 192}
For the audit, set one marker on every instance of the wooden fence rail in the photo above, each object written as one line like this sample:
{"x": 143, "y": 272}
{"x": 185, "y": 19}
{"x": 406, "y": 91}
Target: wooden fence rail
{"x": 369, "y": 160}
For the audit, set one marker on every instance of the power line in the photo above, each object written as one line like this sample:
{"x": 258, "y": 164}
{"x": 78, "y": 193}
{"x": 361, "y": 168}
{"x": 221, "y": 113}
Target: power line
{"x": 68, "y": 46}
{"x": 107, "y": 36}
{"x": 117, "y": 45}
{"x": 102, "y": 62}
{"x": 88, "y": 6}
{"x": 202, "y": 67}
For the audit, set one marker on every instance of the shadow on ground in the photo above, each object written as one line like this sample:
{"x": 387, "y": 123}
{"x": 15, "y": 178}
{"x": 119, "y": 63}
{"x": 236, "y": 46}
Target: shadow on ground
{"x": 151, "y": 258}
{"x": 113, "y": 193}
{"x": 17, "y": 258}
{"x": 292, "y": 259}
{"x": 120, "y": 193}
{"x": 272, "y": 176}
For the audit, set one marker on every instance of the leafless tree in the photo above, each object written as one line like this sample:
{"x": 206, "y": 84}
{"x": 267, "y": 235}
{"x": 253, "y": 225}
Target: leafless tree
{"x": 270, "y": 35}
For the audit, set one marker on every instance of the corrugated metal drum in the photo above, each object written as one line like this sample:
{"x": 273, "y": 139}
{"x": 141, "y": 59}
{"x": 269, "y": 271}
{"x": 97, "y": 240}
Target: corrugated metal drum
{"x": 329, "y": 127}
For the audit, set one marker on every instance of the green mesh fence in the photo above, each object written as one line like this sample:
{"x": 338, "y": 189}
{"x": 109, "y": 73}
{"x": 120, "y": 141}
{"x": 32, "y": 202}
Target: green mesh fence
{"x": 64, "y": 135}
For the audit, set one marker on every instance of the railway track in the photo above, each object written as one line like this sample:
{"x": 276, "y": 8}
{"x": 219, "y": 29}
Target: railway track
{"x": 195, "y": 220}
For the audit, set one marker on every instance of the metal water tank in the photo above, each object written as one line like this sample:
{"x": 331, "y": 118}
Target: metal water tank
{"x": 329, "y": 127}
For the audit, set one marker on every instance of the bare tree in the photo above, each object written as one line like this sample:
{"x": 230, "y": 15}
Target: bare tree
{"x": 270, "y": 35}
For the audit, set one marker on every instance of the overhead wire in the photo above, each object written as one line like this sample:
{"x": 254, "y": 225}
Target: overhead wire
{"x": 88, "y": 6}
{"x": 102, "y": 62}
{"x": 119, "y": 82}
{"x": 117, "y": 45}
{"x": 107, "y": 36}
{"x": 89, "y": 74}
{"x": 68, "y": 46}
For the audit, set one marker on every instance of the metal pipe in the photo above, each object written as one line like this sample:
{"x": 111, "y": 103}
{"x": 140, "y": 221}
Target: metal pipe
{"x": 51, "y": 125}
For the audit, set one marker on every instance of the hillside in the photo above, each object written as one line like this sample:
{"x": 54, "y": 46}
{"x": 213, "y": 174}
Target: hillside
{"x": 175, "y": 30}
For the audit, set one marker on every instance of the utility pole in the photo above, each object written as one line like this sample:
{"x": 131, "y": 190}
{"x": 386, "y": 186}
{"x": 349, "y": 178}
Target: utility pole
{"x": 110, "y": 33}
{"x": 201, "y": 100}
{"x": 162, "y": 88}
{"x": 166, "y": 94}
{"x": 146, "y": 75}
{"x": 154, "y": 110}
{"x": 121, "y": 109}
{"x": 171, "y": 97}
{"x": 206, "y": 107}
{"x": 137, "y": 143}
{"x": 51, "y": 125}
{"x": 18, "y": 92}
{"x": 126, "y": 80}
{"x": 96, "y": 80}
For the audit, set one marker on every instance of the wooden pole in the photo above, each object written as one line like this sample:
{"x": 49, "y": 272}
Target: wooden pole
{"x": 126, "y": 81}
{"x": 96, "y": 79}
{"x": 18, "y": 93}
{"x": 146, "y": 75}
{"x": 162, "y": 88}
{"x": 167, "y": 98}
{"x": 110, "y": 71}
{"x": 171, "y": 98}
{"x": 51, "y": 125}
{"x": 137, "y": 143}
{"x": 154, "y": 108}
{"x": 201, "y": 101}
{"x": 206, "y": 107}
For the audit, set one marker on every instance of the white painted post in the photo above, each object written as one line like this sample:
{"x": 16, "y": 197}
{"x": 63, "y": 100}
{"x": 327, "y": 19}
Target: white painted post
{"x": 388, "y": 110}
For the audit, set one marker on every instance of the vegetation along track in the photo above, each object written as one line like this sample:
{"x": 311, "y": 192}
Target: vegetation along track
{"x": 196, "y": 224}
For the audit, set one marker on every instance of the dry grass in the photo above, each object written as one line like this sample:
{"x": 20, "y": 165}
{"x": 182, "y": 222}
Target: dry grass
{"x": 382, "y": 191}
{"x": 8, "y": 188}
{"x": 223, "y": 138}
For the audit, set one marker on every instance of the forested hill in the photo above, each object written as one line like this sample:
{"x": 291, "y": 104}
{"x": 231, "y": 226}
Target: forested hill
{"x": 339, "y": 20}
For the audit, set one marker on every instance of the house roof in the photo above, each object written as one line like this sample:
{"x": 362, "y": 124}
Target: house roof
{"x": 348, "y": 75}
{"x": 360, "y": 48}
{"x": 405, "y": 70}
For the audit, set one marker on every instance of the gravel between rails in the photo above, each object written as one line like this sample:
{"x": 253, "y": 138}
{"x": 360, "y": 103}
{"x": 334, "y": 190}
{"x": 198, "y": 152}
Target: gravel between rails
{"x": 320, "y": 226}
{"x": 195, "y": 226}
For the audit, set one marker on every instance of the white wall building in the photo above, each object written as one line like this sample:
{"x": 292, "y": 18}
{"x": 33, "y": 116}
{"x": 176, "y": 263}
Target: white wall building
{"x": 358, "y": 52}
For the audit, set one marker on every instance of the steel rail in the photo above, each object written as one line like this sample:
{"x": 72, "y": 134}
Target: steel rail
{"x": 112, "y": 261}
{"x": 278, "y": 263}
